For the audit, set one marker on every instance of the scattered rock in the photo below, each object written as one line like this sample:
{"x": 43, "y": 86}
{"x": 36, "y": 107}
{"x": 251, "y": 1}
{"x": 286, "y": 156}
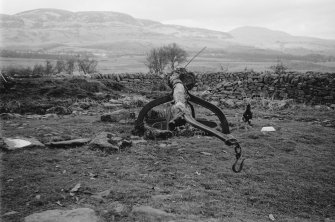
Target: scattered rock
{"x": 7, "y": 116}
{"x": 109, "y": 142}
{"x": 69, "y": 143}
{"x": 117, "y": 208}
{"x": 60, "y": 110}
{"x": 206, "y": 153}
{"x": 76, "y": 215}
{"x": 268, "y": 129}
{"x": 50, "y": 116}
{"x": 271, "y": 217}
{"x": 111, "y": 105}
{"x": 229, "y": 103}
{"x": 139, "y": 141}
{"x": 152, "y": 213}
{"x": 101, "y": 142}
{"x": 152, "y": 134}
{"x": 10, "y": 213}
{"x": 160, "y": 197}
{"x": 21, "y": 142}
{"x": 116, "y": 116}
{"x": 101, "y": 195}
{"x": 134, "y": 101}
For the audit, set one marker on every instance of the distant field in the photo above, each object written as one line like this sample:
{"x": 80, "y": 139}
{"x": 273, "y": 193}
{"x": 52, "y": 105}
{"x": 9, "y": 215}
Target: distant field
{"x": 133, "y": 64}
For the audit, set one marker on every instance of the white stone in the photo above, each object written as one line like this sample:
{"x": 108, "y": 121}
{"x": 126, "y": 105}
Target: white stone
{"x": 76, "y": 215}
{"x": 268, "y": 129}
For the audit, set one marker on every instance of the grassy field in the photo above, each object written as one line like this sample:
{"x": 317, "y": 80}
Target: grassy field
{"x": 289, "y": 173}
{"x": 135, "y": 64}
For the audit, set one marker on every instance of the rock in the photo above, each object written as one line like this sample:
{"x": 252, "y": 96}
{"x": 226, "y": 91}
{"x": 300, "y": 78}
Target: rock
{"x": 84, "y": 105}
{"x": 21, "y": 142}
{"x": 117, "y": 208}
{"x": 50, "y": 116}
{"x": 268, "y": 129}
{"x": 116, "y": 116}
{"x": 160, "y": 197}
{"x": 149, "y": 212}
{"x": 69, "y": 143}
{"x": 76, "y": 215}
{"x": 7, "y": 116}
{"x": 153, "y": 134}
{"x": 271, "y": 217}
{"x": 114, "y": 101}
{"x": 229, "y": 103}
{"x": 139, "y": 141}
{"x": 101, "y": 195}
{"x": 10, "y": 213}
{"x": 60, "y": 110}
{"x": 111, "y": 105}
{"x": 101, "y": 142}
{"x": 134, "y": 101}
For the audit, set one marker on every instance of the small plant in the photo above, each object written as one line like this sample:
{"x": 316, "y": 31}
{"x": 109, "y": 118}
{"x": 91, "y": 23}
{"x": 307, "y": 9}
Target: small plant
{"x": 279, "y": 68}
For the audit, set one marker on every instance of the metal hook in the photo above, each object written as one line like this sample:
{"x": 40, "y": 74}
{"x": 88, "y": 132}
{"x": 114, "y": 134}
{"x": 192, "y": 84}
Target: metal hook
{"x": 238, "y": 154}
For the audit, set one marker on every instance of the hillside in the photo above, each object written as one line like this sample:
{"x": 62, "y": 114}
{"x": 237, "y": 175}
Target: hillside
{"x": 61, "y": 30}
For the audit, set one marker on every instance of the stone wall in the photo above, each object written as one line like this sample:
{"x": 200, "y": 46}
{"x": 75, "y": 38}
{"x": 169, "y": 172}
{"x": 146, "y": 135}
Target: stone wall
{"x": 136, "y": 81}
{"x": 311, "y": 88}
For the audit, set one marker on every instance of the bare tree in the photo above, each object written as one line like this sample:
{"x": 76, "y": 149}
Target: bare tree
{"x": 70, "y": 65}
{"x": 174, "y": 55}
{"x": 87, "y": 65}
{"x": 156, "y": 60}
{"x": 60, "y": 66}
{"x": 48, "y": 67}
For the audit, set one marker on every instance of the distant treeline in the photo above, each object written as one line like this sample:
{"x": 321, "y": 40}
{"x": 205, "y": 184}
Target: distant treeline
{"x": 265, "y": 55}
{"x": 42, "y": 55}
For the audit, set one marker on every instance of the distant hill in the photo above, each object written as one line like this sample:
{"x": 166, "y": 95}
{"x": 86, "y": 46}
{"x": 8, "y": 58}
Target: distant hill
{"x": 55, "y": 30}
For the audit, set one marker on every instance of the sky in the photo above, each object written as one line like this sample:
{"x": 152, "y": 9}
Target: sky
{"x": 314, "y": 18}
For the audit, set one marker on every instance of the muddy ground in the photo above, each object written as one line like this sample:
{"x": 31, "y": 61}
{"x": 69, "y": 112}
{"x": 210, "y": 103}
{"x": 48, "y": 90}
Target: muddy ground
{"x": 289, "y": 173}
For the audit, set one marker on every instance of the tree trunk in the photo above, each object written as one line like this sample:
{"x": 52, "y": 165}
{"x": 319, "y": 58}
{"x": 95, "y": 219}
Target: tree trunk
{"x": 180, "y": 106}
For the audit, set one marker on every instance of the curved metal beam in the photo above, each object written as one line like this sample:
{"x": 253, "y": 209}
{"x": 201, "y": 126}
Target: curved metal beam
{"x": 139, "y": 124}
{"x": 214, "y": 109}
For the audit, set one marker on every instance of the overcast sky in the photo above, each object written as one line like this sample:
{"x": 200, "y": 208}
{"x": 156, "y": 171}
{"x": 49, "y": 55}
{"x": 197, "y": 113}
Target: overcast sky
{"x": 314, "y": 18}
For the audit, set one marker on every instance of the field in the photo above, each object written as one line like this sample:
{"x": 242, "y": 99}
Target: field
{"x": 135, "y": 64}
{"x": 289, "y": 174}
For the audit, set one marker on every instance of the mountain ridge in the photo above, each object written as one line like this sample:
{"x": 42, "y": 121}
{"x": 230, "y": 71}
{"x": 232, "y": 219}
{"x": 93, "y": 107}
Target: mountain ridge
{"x": 75, "y": 30}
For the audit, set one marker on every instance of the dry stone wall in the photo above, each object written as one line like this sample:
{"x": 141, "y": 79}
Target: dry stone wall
{"x": 310, "y": 87}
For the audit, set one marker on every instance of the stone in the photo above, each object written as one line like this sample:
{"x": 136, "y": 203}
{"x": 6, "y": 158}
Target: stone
{"x": 10, "y": 213}
{"x": 101, "y": 142}
{"x": 268, "y": 129}
{"x": 21, "y": 143}
{"x": 7, "y": 116}
{"x": 111, "y": 105}
{"x": 115, "y": 116}
{"x": 153, "y": 134}
{"x": 75, "y": 215}
{"x": 114, "y": 101}
{"x": 69, "y": 143}
{"x": 151, "y": 212}
{"x": 60, "y": 110}
{"x": 50, "y": 116}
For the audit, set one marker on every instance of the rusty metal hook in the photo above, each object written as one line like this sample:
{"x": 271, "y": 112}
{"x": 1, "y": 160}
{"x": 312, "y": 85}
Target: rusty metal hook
{"x": 238, "y": 154}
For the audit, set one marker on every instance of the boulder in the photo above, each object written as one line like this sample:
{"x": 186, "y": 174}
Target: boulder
{"x": 150, "y": 214}
{"x": 116, "y": 116}
{"x": 7, "y": 116}
{"x": 21, "y": 143}
{"x": 75, "y": 215}
{"x": 69, "y": 143}
{"x": 60, "y": 110}
{"x": 101, "y": 142}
